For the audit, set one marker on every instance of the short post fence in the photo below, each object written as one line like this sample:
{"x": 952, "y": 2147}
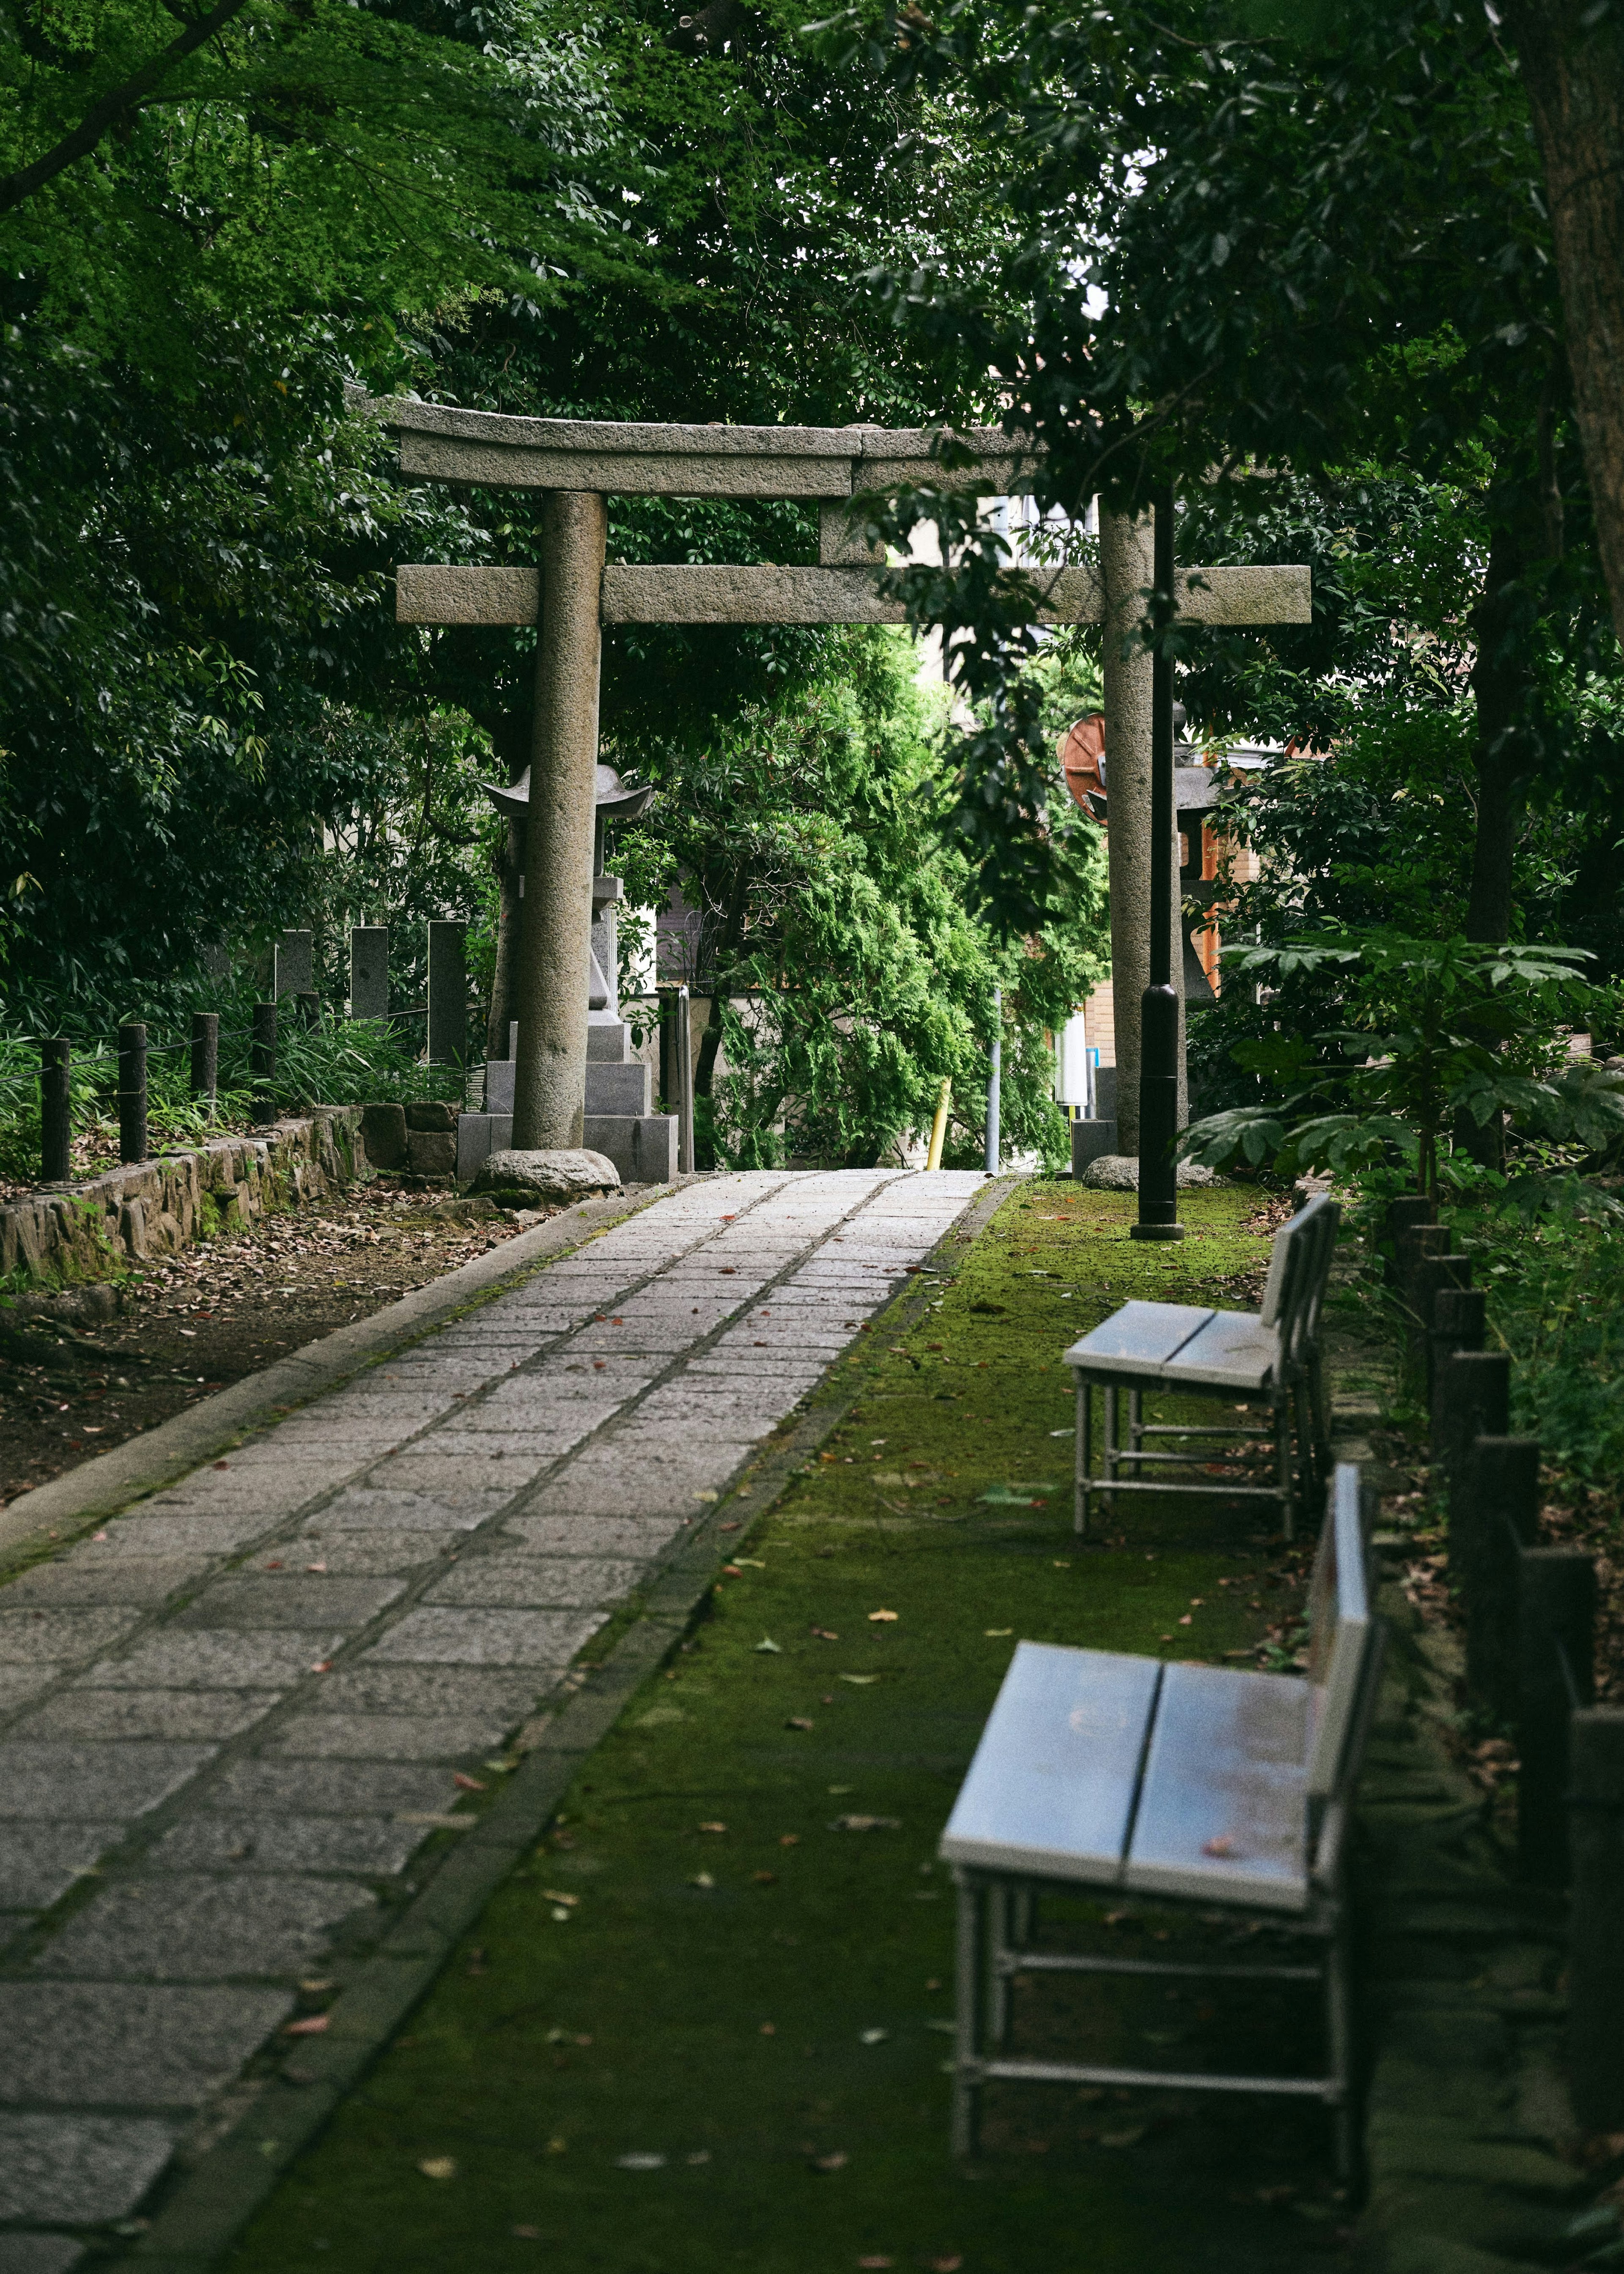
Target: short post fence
{"x": 132, "y": 1093}
{"x": 55, "y": 1059}
{"x": 206, "y": 1055}
{"x": 1530, "y": 1616}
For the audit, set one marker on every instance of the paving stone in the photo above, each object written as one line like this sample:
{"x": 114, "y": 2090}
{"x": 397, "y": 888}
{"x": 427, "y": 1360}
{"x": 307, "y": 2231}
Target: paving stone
{"x": 67, "y": 1783}
{"x": 76, "y": 2170}
{"x": 39, "y": 2254}
{"x": 39, "y": 1862}
{"x": 505, "y": 1699}
{"x": 42, "y": 1637}
{"x": 457, "y": 1506}
{"x": 20, "y": 1684}
{"x": 110, "y": 1715}
{"x": 217, "y": 1660}
{"x": 177, "y": 1929}
{"x": 290, "y": 1598}
{"x": 358, "y": 1553}
{"x": 137, "y": 1582}
{"x": 213, "y": 1533}
{"x": 292, "y": 1787}
{"x": 440, "y": 1635}
{"x": 529, "y": 1582}
{"x": 593, "y": 1535}
{"x": 442, "y": 1466}
{"x": 146, "y": 2047}
{"x": 373, "y": 1846}
{"x": 387, "y": 1736}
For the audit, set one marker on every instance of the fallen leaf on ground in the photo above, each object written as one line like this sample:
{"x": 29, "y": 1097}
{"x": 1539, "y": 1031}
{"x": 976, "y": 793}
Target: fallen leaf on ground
{"x": 322, "y": 1666}
{"x": 837, "y": 2162}
{"x": 702, "y": 1879}
{"x": 769, "y": 2029}
{"x": 946, "y": 2265}
{"x": 713, "y": 1827}
{"x": 861, "y": 1680}
{"x": 874, "y": 2036}
{"x": 789, "y": 1839}
{"x": 467, "y": 1783}
{"x": 1131, "y": 2138}
{"x": 765, "y": 1879}
{"x": 552, "y": 1895}
{"x": 877, "y": 2261}
{"x": 799, "y": 1721}
{"x": 639, "y": 2161}
{"x": 874, "y": 1616}
{"x": 997, "y": 1633}
{"x": 312, "y": 2026}
{"x": 825, "y": 1634}
{"x": 439, "y": 2167}
{"x": 1221, "y": 1846}
{"x": 866, "y": 1824}
{"x": 315, "y": 1567}
{"x": 767, "y": 1643}
{"x": 526, "y": 2234}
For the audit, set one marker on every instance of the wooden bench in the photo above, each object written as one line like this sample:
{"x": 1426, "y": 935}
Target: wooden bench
{"x": 1186, "y": 1784}
{"x": 1270, "y": 1356}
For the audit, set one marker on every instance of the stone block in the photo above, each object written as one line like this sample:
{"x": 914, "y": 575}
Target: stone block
{"x": 290, "y": 1598}
{"x": 40, "y": 1861}
{"x": 365, "y": 1553}
{"x": 176, "y": 1928}
{"x": 620, "y": 1090}
{"x": 386, "y": 1737}
{"x": 146, "y": 2047}
{"x": 40, "y": 2254}
{"x": 441, "y": 1470}
{"x": 478, "y": 1135}
{"x": 499, "y": 1079}
{"x": 137, "y": 1583}
{"x": 642, "y": 1147}
{"x": 77, "y": 2170}
{"x": 383, "y": 1135}
{"x": 608, "y": 1041}
{"x": 371, "y": 1847}
{"x": 371, "y": 1788}
{"x": 92, "y": 1782}
{"x": 151, "y": 1531}
{"x": 431, "y": 1153}
{"x": 641, "y": 1536}
{"x": 503, "y": 1698}
{"x": 535, "y": 1582}
{"x": 109, "y": 1716}
{"x": 441, "y": 1636}
{"x": 19, "y": 1684}
{"x": 217, "y": 1660}
{"x": 455, "y": 1504}
{"x": 428, "y": 1115}
{"x": 39, "y": 1638}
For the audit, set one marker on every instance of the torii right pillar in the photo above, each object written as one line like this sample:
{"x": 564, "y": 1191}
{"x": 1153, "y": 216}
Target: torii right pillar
{"x": 1127, "y": 571}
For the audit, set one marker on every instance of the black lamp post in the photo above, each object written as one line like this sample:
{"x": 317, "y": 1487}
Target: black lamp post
{"x": 1158, "y": 1007}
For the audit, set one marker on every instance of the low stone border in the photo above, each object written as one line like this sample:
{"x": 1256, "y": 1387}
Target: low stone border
{"x": 208, "y": 2206}
{"x": 96, "y": 1231}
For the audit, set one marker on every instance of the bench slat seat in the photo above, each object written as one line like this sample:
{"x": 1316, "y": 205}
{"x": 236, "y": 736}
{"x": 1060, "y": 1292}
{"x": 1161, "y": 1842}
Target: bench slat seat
{"x": 1224, "y": 1789}
{"x": 1270, "y": 1356}
{"x": 1052, "y": 1786}
{"x": 1227, "y": 1771}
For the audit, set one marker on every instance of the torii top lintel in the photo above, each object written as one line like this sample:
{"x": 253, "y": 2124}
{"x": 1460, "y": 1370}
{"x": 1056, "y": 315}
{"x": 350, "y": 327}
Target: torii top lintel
{"x": 634, "y": 458}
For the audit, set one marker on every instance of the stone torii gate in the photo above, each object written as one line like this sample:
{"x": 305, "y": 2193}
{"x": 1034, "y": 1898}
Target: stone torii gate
{"x": 573, "y": 592}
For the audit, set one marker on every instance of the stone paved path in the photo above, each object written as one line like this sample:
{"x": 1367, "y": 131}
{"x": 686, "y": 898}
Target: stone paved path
{"x": 242, "y": 1707}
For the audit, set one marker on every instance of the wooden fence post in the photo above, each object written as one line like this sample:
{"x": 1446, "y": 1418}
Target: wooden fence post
{"x": 56, "y": 1158}
{"x": 1404, "y": 1215}
{"x": 1473, "y": 1400}
{"x": 1596, "y": 1919}
{"x": 1434, "y": 1277}
{"x": 1496, "y": 1514}
{"x": 132, "y": 1092}
{"x": 206, "y": 1054}
{"x": 1459, "y": 1323}
{"x": 1556, "y": 1642}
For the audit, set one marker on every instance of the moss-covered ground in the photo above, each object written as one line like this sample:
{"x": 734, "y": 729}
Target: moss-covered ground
{"x": 704, "y": 2026}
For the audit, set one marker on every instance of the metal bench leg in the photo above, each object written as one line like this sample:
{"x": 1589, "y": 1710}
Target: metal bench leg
{"x": 1107, "y": 1451}
{"x": 966, "y": 2048}
{"x": 1026, "y": 1915}
{"x": 1082, "y": 1449}
{"x": 996, "y": 1937}
{"x": 1321, "y": 1419}
{"x": 1339, "y": 2030}
{"x": 1285, "y": 1468}
{"x": 1136, "y": 1423}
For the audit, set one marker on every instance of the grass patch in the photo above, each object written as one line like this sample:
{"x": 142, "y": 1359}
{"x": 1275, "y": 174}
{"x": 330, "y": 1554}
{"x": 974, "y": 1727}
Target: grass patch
{"x": 704, "y": 2025}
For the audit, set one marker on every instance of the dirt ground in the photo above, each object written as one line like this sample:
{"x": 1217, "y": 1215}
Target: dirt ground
{"x": 208, "y": 1316}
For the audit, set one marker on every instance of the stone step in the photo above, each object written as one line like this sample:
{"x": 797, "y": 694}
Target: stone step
{"x": 611, "y": 1087}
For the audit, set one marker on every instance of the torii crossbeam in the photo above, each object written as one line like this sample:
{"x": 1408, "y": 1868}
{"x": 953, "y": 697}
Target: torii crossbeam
{"x": 572, "y": 593}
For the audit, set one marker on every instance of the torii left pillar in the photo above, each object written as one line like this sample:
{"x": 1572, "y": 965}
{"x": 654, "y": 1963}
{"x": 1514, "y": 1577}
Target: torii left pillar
{"x": 549, "y": 1086}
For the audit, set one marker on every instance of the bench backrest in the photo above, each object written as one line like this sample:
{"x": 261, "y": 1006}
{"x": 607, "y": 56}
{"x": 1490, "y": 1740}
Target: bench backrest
{"x": 1340, "y": 1636}
{"x": 1299, "y": 1266}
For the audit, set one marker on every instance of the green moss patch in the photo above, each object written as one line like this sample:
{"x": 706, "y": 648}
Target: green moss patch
{"x": 704, "y": 2025}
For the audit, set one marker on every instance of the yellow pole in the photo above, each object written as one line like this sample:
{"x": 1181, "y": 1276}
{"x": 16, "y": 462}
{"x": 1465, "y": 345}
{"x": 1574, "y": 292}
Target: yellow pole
{"x": 938, "y": 1127}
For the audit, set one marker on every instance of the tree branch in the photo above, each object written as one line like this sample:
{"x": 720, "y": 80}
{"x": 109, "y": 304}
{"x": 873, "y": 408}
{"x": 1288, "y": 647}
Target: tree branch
{"x": 117, "y": 103}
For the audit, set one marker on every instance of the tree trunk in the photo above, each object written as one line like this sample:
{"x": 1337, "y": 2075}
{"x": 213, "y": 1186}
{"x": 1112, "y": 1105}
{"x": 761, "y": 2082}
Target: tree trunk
{"x": 1572, "y": 55}
{"x": 1501, "y": 686}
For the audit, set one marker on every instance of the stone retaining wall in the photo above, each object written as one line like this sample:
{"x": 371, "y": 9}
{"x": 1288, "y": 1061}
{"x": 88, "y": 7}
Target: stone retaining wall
{"x": 98, "y": 1230}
